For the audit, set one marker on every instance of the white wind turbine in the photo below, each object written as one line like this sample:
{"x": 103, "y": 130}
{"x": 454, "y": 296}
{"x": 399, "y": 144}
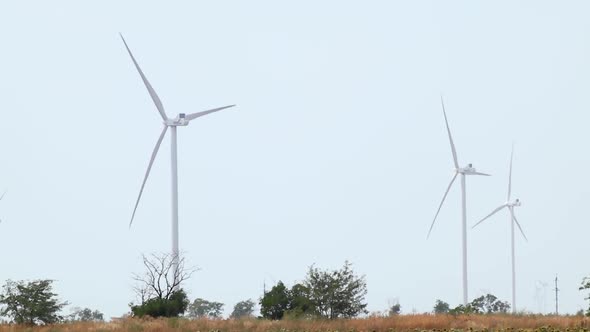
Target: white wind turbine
{"x": 463, "y": 171}
{"x": 181, "y": 119}
{"x": 510, "y": 205}
{"x": 1, "y": 197}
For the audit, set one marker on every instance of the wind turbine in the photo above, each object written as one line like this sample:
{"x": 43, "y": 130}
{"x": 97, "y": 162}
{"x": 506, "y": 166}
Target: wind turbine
{"x": 541, "y": 295}
{"x": 1, "y": 197}
{"x": 181, "y": 119}
{"x": 510, "y": 205}
{"x": 463, "y": 171}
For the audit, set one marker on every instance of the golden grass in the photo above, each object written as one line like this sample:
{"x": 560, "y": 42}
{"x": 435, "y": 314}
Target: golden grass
{"x": 404, "y": 323}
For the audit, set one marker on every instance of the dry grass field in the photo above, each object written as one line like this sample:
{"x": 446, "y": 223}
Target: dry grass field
{"x": 404, "y": 323}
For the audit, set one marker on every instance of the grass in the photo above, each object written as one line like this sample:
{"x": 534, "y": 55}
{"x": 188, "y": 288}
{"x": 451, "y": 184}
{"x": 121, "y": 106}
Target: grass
{"x": 404, "y": 323}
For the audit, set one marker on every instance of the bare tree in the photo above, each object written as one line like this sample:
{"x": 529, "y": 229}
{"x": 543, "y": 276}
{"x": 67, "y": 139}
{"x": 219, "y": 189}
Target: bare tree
{"x": 161, "y": 279}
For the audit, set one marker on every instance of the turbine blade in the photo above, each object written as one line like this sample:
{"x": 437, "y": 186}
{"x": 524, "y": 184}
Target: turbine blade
{"x": 193, "y": 116}
{"x": 449, "y": 132}
{"x": 510, "y": 175}
{"x": 4, "y": 193}
{"x": 151, "y": 90}
{"x": 441, "y": 203}
{"x": 478, "y": 173}
{"x": 518, "y": 224}
{"x": 491, "y": 214}
{"x": 147, "y": 173}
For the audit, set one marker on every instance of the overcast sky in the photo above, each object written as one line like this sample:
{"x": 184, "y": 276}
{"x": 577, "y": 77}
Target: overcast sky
{"x": 336, "y": 151}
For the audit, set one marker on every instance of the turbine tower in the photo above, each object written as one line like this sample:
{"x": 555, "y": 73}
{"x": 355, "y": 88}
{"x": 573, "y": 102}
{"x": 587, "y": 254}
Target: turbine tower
{"x": 181, "y": 119}
{"x": 510, "y": 205}
{"x": 463, "y": 171}
{"x": 1, "y": 197}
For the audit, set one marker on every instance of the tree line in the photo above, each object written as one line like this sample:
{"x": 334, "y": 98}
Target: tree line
{"x": 326, "y": 294}
{"x": 34, "y": 303}
{"x": 323, "y": 293}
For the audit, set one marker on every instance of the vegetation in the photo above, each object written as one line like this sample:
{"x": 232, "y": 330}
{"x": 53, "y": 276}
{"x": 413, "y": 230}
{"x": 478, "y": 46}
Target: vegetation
{"x": 85, "y": 315}
{"x": 204, "y": 309}
{"x": 312, "y": 305}
{"x": 281, "y": 301}
{"x": 338, "y": 293}
{"x": 323, "y": 294}
{"x": 441, "y": 307}
{"x": 395, "y": 310}
{"x": 585, "y": 286}
{"x": 402, "y": 323}
{"x": 158, "y": 288}
{"x": 274, "y": 303}
{"x": 485, "y": 304}
{"x": 30, "y": 303}
{"x": 489, "y": 304}
{"x": 300, "y": 302}
{"x": 243, "y": 309}
{"x": 172, "y": 306}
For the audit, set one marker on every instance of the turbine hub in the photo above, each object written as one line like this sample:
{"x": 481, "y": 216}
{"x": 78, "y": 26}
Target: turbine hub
{"x": 515, "y": 203}
{"x": 467, "y": 169}
{"x": 180, "y": 120}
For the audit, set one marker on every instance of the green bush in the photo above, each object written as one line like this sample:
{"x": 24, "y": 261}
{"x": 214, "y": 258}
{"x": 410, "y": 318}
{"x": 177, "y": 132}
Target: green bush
{"x": 174, "y": 306}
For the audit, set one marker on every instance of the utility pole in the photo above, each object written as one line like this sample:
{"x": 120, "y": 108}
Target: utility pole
{"x": 556, "y": 297}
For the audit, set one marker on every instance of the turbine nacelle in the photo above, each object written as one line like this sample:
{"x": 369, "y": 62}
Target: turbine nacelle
{"x": 180, "y": 120}
{"x": 468, "y": 170}
{"x": 515, "y": 203}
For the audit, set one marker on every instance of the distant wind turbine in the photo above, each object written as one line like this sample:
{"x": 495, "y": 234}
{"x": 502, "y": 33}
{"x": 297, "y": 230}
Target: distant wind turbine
{"x": 510, "y": 205}
{"x": 1, "y": 197}
{"x": 181, "y": 119}
{"x": 463, "y": 171}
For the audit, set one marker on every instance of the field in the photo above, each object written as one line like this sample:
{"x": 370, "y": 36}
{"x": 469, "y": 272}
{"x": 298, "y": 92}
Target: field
{"x": 413, "y": 323}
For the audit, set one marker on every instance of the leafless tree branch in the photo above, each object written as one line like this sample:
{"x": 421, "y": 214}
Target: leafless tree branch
{"x": 160, "y": 279}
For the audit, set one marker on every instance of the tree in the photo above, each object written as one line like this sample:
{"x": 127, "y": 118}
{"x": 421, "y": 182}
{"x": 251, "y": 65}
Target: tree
{"x": 174, "y": 306}
{"x": 462, "y": 310}
{"x": 485, "y": 304}
{"x": 243, "y": 309}
{"x": 300, "y": 302}
{"x": 338, "y": 293}
{"x": 500, "y": 307}
{"x": 586, "y": 285}
{"x": 158, "y": 289}
{"x": 441, "y": 307}
{"x": 275, "y": 302}
{"x": 85, "y": 315}
{"x": 281, "y": 301}
{"x": 395, "y": 309}
{"x": 489, "y": 304}
{"x": 201, "y": 308}
{"x": 31, "y": 303}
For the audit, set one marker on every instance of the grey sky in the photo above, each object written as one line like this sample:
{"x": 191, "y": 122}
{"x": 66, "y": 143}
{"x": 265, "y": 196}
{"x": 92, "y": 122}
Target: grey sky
{"x": 337, "y": 149}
